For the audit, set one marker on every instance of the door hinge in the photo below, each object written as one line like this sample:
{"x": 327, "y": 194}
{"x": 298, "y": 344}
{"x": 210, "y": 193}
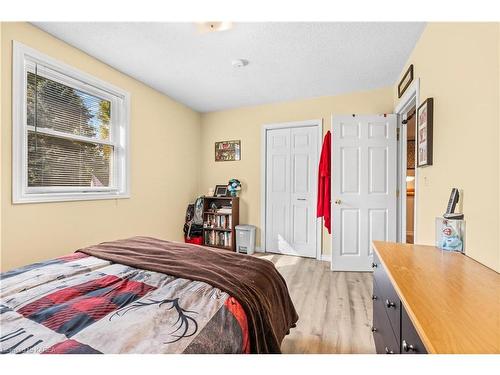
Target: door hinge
{"x": 397, "y": 134}
{"x": 397, "y": 193}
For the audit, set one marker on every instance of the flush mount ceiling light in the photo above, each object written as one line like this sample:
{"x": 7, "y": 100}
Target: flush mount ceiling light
{"x": 212, "y": 27}
{"x": 239, "y": 63}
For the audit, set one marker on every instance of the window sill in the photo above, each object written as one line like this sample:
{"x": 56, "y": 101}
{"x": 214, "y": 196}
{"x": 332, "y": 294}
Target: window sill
{"x": 66, "y": 197}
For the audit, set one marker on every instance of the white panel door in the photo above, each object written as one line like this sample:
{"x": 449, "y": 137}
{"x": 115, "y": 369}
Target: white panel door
{"x": 277, "y": 189}
{"x": 304, "y": 187}
{"x": 291, "y": 189}
{"x": 363, "y": 188}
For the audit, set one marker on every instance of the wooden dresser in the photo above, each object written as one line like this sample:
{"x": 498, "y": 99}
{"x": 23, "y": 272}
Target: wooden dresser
{"x": 426, "y": 300}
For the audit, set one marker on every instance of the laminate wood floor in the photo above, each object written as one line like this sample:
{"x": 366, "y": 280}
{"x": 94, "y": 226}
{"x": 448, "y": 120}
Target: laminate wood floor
{"x": 335, "y": 308}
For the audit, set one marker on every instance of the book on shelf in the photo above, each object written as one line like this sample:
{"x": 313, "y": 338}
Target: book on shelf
{"x": 214, "y": 238}
{"x": 218, "y": 221}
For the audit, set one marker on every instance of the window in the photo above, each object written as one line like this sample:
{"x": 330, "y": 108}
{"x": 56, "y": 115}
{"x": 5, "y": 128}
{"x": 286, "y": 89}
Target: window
{"x": 70, "y": 133}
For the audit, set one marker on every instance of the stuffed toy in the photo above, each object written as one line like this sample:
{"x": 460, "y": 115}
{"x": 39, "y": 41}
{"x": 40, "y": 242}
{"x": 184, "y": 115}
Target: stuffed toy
{"x": 233, "y": 186}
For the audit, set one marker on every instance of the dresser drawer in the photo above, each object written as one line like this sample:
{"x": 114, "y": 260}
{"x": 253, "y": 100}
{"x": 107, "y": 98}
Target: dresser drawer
{"x": 383, "y": 335}
{"x": 410, "y": 340}
{"x": 390, "y": 299}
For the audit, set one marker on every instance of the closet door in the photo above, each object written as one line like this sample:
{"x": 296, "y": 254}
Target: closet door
{"x": 304, "y": 187}
{"x": 278, "y": 190}
{"x": 291, "y": 190}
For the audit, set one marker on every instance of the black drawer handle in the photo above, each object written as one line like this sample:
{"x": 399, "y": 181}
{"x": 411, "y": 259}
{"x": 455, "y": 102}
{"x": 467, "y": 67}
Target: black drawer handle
{"x": 408, "y": 348}
{"x": 374, "y": 265}
{"x": 374, "y": 329}
{"x": 388, "y": 351}
{"x": 390, "y": 304}
{"x": 374, "y": 297}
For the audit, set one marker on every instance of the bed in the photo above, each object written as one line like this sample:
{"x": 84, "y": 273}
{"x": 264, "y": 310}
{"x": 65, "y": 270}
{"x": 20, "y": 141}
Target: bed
{"x": 144, "y": 295}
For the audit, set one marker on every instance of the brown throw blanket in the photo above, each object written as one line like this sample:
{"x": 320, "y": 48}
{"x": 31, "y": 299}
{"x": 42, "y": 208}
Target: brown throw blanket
{"x": 254, "y": 282}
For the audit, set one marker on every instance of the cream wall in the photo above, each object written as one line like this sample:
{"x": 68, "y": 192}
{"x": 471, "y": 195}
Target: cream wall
{"x": 165, "y": 139}
{"x": 245, "y": 124}
{"x": 458, "y": 65}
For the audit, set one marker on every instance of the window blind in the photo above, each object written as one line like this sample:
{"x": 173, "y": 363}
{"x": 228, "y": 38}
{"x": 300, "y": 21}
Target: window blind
{"x": 69, "y": 138}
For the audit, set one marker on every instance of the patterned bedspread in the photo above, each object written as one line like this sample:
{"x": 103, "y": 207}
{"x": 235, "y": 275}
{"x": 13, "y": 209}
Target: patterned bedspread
{"x": 83, "y": 304}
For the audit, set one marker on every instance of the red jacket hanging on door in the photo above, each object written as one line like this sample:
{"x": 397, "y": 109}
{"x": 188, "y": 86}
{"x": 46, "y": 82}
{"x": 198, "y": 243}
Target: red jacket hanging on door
{"x": 324, "y": 179}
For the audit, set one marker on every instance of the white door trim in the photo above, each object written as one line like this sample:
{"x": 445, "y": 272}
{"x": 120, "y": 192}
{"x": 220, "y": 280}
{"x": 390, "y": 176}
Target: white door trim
{"x": 318, "y": 123}
{"x": 410, "y": 97}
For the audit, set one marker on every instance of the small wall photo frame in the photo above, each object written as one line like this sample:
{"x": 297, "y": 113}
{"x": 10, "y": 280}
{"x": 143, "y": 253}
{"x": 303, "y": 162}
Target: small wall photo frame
{"x": 405, "y": 81}
{"x": 228, "y": 150}
{"x": 220, "y": 191}
{"x": 425, "y": 114}
{"x": 410, "y": 157}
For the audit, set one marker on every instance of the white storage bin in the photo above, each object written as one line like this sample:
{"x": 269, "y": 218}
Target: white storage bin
{"x": 245, "y": 239}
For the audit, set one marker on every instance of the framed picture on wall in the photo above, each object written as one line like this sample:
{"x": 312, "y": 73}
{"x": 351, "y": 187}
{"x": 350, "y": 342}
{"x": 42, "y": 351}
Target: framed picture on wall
{"x": 405, "y": 81}
{"x": 228, "y": 151}
{"x": 424, "y": 133}
{"x": 410, "y": 157}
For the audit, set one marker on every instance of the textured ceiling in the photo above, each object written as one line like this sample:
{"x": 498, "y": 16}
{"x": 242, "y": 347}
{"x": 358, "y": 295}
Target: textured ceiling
{"x": 287, "y": 61}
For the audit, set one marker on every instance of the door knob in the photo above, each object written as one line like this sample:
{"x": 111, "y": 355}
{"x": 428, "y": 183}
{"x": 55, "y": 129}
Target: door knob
{"x": 338, "y": 201}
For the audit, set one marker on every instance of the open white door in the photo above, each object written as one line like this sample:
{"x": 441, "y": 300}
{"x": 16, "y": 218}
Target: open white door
{"x": 363, "y": 188}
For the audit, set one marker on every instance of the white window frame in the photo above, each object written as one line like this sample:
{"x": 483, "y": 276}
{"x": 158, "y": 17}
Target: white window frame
{"x": 23, "y": 58}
